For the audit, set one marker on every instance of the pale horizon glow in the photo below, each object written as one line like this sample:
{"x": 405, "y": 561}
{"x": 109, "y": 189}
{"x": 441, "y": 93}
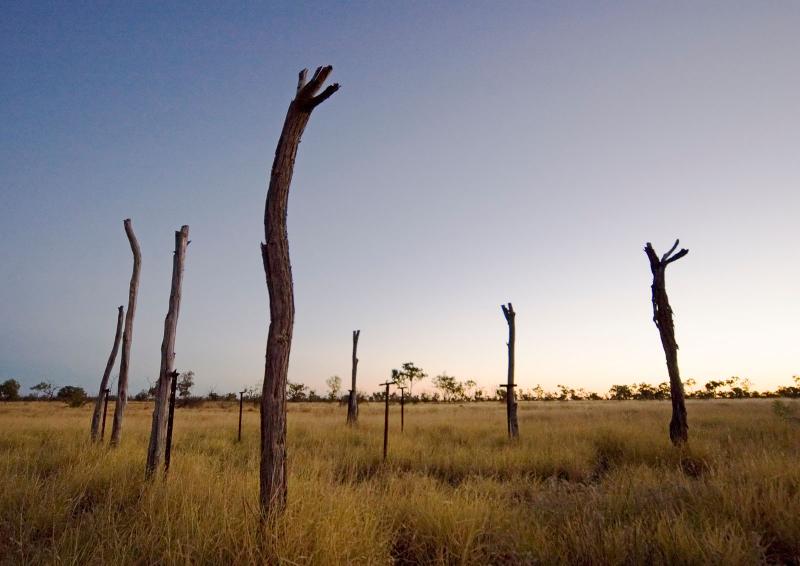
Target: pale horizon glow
{"x": 475, "y": 155}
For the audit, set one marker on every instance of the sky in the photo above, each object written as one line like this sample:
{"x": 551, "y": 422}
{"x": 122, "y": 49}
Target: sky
{"x": 477, "y": 153}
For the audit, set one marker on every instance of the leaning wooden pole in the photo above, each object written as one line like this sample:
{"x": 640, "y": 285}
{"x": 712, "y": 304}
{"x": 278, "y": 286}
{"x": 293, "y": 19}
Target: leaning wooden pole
{"x": 386, "y": 419}
{"x": 511, "y": 401}
{"x": 241, "y": 406}
{"x": 352, "y": 403}
{"x": 158, "y": 429}
{"x": 662, "y": 317}
{"x": 98, "y": 404}
{"x": 127, "y": 336}
{"x": 278, "y": 270}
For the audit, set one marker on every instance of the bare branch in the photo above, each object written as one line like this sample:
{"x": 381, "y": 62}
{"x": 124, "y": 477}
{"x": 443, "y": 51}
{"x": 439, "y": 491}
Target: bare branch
{"x": 320, "y": 76}
{"x": 677, "y": 256}
{"x": 301, "y": 80}
{"x": 325, "y": 95}
{"x": 672, "y": 249}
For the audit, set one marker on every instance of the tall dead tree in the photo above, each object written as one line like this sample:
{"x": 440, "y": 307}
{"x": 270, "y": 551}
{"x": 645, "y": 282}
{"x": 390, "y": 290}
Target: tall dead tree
{"x": 167, "y": 373}
{"x": 98, "y": 404}
{"x": 278, "y": 270}
{"x": 511, "y": 400}
{"x": 352, "y": 405}
{"x": 127, "y": 336}
{"x": 662, "y": 316}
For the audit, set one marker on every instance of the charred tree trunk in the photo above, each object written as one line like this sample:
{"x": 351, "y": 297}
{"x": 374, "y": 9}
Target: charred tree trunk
{"x": 352, "y": 405}
{"x": 127, "y": 337}
{"x": 511, "y": 401}
{"x": 166, "y": 374}
{"x": 278, "y": 270}
{"x": 662, "y": 316}
{"x": 98, "y": 405}
{"x": 170, "y": 421}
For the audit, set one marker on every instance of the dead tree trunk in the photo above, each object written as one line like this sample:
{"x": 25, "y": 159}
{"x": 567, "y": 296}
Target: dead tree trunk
{"x": 352, "y": 405}
{"x": 278, "y": 270}
{"x": 98, "y": 405}
{"x": 511, "y": 401}
{"x": 662, "y": 316}
{"x": 166, "y": 374}
{"x": 127, "y": 337}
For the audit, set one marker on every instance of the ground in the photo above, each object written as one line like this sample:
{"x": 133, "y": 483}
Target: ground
{"x": 587, "y": 483}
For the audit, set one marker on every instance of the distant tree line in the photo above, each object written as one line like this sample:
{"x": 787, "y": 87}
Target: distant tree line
{"x": 448, "y": 389}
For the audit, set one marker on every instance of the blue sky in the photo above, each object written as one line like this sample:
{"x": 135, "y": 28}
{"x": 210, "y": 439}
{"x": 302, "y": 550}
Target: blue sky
{"x": 477, "y": 153}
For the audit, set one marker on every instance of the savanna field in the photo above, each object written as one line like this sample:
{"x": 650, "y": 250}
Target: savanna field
{"x": 588, "y": 483}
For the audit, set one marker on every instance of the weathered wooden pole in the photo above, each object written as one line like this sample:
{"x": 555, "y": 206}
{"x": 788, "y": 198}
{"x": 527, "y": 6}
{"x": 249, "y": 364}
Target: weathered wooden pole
{"x": 241, "y": 405}
{"x": 386, "y": 420}
{"x": 107, "y": 392}
{"x": 158, "y": 430}
{"x": 98, "y": 404}
{"x": 278, "y": 270}
{"x": 352, "y": 404}
{"x": 402, "y": 408}
{"x": 662, "y": 317}
{"x": 170, "y": 421}
{"x": 127, "y": 336}
{"x": 511, "y": 401}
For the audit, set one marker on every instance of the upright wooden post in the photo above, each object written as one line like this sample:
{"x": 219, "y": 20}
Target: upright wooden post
{"x": 511, "y": 402}
{"x": 278, "y": 270}
{"x": 127, "y": 336}
{"x": 158, "y": 430}
{"x": 402, "y": 409}
{"x": 170, "y": 420}
{"x": 241, "y": 405}
{"x": 352, "y": 404}
{"x": 386, "y": 420}
{"x": 98, "y": 404}
{"x": 662, "y": 317}
{"x": 106, "y": 393}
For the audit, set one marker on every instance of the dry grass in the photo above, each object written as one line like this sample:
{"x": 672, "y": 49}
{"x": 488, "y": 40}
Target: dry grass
{"x": 589, "y": 483}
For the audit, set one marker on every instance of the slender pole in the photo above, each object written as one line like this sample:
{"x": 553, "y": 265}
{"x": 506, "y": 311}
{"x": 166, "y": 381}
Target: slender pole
{"x": 402, "y": 408}
{"x": 170, "y": 419}
{"x": 241, "y": 403}
{"x": 105, "y": 410}
{"x": 386, "y": 420}
{"x": 98, "y": 404}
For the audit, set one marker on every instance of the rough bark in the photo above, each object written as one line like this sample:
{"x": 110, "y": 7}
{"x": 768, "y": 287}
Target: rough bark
{"x": 166, "y": 374}
{"x": 352, "y": 405}
{"x": 662, "y": 317}
{"x": 127, "y": 337}
{"x": 98, "y": 404}
{"x": 278, "y": 270}
{"x": 511, "y": 401}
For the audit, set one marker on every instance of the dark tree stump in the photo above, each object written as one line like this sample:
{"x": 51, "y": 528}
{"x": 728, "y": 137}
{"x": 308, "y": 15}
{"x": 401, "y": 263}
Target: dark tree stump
{"x": 662, "y": 316}
{"x": 511, "y": 401}
{"x": 352, "y": 404}
{"x": 278, "y": 270}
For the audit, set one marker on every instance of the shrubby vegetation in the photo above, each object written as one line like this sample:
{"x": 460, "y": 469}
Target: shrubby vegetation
{"x": 448, "y": 389}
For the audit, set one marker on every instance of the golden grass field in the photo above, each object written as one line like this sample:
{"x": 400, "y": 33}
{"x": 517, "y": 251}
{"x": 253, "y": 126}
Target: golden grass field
{"x": 588, "y": 483}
